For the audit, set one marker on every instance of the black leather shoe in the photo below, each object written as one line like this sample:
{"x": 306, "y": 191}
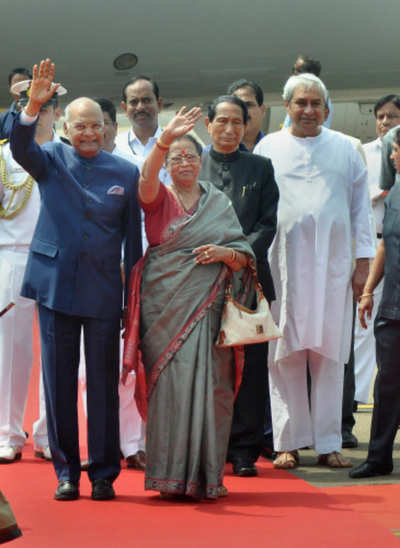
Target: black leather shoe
{"x": 369, "y": 470}
{"x": 349, "y": 441}
{"x": 136, "y": 461}
{"x": 67, "y": 490}
{"x": 102, "y": 489}
{"x": 244, "y": 468}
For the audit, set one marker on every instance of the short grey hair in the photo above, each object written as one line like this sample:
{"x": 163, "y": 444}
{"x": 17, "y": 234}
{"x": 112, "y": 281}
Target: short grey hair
{"x": 307, "y": 81}
{"x": 67, "y": 110}
{"x": 66, "y": 113}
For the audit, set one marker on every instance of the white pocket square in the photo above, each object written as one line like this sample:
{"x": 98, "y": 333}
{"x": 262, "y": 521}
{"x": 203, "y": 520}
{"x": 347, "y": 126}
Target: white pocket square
{"x": 116, "y": 190}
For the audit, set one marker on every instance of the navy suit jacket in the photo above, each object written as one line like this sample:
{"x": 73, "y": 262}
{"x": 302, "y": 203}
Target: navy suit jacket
{"x": 88, "y": 208}
{"x": 6, "y": 121}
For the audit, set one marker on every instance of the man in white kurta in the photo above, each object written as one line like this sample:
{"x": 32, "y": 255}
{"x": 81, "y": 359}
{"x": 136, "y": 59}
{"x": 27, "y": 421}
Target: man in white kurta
{"x": 323, "y": 205}
{"x": 19, "y": 210}
{"x": 387, "y": 114}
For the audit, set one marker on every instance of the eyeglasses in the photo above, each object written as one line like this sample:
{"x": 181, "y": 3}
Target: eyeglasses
{"x": 96, "y": 127}
{"x": 188, "y": 158}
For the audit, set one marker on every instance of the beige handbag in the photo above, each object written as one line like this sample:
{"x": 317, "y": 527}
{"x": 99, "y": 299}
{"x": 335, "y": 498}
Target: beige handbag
{"x": 241, "y": 325}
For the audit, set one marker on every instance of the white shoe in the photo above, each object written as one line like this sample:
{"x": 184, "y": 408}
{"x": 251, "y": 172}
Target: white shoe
{"x": 43, "y": 453}
{"x": 9, "y": 453}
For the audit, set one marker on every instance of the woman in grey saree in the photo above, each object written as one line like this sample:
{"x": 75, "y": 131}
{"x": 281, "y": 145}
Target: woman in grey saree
{"x": 185, "y": 385}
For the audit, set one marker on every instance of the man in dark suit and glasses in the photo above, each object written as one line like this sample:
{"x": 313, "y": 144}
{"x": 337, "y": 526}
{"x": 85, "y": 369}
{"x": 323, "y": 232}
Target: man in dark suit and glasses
{"x": 89, "y": 207}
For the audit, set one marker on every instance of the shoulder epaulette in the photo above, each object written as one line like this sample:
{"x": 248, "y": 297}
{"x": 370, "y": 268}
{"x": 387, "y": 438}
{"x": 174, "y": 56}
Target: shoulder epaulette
{"x": 3, "y": 141}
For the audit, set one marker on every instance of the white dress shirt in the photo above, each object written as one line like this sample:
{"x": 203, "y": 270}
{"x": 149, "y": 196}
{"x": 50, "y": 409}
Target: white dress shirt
{"x": 128, "y": 143}
{"x": 373, "y": 153}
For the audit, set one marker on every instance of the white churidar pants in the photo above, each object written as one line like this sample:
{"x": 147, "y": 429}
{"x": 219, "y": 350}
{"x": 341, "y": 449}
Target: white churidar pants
{"x": 364, "y": 351}
{"x": 131, "y": 427}
{"x": 295, "y": 425}
{"x": 16, "y": 357}
{"x": 40, "y": 438}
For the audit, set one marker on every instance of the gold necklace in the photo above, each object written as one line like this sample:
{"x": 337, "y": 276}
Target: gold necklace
{"x": 26, "y": 185}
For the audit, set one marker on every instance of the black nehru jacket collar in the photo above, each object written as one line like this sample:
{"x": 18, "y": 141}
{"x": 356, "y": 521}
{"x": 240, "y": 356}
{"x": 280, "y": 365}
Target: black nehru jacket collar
{"x": 219, "y": 157}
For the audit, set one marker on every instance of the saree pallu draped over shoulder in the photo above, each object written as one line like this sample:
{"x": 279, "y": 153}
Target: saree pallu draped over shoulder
{"x": 185, "y": 385}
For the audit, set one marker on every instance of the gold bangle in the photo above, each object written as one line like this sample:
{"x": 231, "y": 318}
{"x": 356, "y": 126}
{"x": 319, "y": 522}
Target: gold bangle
{"x": 233, "y": 256}
{"x": 161, "y": 144}
{"x": 365, "y": 295}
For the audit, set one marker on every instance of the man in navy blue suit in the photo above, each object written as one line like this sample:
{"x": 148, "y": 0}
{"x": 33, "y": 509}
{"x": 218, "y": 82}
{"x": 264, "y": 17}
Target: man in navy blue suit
{"x": 89, "y": 207}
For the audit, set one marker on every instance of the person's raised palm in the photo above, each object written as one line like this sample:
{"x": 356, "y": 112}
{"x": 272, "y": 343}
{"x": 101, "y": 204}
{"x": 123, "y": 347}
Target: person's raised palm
{"x": 182, "y": 122}
{"x": 42, "y": 88}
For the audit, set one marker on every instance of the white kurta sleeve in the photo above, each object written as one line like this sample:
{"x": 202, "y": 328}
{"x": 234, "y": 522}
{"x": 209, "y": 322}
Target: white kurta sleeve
{"x": 360, "y": 211}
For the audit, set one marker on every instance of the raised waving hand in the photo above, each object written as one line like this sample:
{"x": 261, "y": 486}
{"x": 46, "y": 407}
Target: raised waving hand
{"x": 42, "y": 87}
{"x": 181, "y": 123}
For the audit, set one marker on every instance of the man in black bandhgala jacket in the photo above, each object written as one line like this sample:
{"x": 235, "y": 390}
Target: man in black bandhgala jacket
{"x": 249, "y": 182}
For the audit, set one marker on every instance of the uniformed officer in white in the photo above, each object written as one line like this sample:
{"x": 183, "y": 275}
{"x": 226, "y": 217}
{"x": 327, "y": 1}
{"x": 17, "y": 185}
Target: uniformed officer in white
{"x": 19, "y": 210}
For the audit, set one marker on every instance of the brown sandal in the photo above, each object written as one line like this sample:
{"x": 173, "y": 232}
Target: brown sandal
{"x": 222, "y": 491}
{"x": 334, "y": 460}
{"x": 286, "y": 460}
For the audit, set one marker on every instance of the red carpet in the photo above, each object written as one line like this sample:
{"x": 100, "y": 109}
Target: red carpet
{"x": 380, "y": 503}
{"x": 275, "y": 510}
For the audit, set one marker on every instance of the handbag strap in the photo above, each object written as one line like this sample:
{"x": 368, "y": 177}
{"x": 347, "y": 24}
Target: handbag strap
{"x": 252, "y": 270}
